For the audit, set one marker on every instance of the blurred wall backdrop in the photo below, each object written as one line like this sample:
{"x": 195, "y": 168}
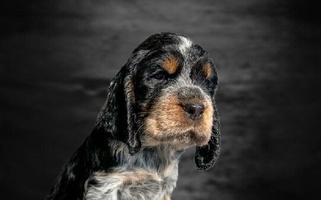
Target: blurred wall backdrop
{"x": 57, "y": 57}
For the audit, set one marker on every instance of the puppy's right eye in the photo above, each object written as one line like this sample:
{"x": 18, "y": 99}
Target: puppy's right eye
{"x": 159, "y": 76}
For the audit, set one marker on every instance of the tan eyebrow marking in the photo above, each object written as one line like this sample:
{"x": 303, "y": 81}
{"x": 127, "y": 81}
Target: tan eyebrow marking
{"x": 207, "y": 70}
{"x": 170, "y": 64}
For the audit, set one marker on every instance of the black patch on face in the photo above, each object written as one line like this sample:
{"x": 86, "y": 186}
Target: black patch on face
{"x": 158, "y": 41}
{"x": 196, "y": 52}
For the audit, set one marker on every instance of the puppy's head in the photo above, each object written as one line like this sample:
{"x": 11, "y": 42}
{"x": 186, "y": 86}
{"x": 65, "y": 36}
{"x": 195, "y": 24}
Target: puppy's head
{"x": 165, "y": 95}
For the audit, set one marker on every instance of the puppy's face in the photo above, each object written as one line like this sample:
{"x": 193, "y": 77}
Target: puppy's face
{"x": 174, "y": 85}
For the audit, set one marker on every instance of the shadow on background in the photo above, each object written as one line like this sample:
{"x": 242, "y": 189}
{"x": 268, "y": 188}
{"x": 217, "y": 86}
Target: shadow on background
{"x": 57, "y": 57}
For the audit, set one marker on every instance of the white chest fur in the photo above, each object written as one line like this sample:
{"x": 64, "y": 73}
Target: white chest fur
{"x": 132, "y": 184}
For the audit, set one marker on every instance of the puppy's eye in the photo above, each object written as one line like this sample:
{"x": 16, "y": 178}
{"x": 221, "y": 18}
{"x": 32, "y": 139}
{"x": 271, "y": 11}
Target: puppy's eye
{"x": 159, "y": 76}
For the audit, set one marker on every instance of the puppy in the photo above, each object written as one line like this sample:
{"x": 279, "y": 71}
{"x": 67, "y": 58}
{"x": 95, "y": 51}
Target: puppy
{"x": 160, "y": 103}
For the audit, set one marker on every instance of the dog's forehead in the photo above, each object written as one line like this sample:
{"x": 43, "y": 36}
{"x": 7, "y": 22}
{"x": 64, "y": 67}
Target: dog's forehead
{"x": 170, "y": 41}
{"x": 178, "y": 55}
{"x": 169, "y": 46}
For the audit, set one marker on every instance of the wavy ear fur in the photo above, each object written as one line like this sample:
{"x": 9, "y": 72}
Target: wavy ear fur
{"x": 206, "y": 156}
{"x": 117, "y": 113}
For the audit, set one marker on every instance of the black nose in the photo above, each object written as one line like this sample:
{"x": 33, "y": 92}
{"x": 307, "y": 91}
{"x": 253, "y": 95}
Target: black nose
{"x": 194, "y": 111}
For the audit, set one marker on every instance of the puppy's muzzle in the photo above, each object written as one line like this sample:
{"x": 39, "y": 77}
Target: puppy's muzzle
{"x": 192, "y": 101}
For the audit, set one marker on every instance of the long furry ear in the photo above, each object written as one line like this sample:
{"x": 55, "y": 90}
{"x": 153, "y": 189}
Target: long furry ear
{"x": 206, "y": 156}
{"x": 132, "y": 138}
{"x": 117, "y": 114}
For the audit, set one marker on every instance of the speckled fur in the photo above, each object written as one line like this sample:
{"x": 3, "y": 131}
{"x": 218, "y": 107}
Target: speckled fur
{"x": 144, "y": 176}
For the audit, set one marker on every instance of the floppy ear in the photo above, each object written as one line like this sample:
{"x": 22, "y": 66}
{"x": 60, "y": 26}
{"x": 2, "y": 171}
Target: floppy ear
{"x": 117, "y": 114}
{"x": 205, "y": 156}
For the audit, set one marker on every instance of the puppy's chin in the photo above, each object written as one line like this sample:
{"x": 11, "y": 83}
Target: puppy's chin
{"x": 176, "y": 140}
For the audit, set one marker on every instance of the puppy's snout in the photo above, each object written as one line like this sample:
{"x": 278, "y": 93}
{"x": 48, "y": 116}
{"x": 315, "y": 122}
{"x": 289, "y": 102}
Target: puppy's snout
{"x": 194, "y": 111}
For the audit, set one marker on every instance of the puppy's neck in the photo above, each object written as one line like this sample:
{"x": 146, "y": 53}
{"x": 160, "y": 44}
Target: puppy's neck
{"x": 156, "y": 158}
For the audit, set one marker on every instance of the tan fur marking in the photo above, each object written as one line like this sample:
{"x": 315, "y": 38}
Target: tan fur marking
{"x": 169, "y": 124}
{"x": 170, "y": 64}
{"x": 169, "y": 169}
{"x": 166, "y": 198}
{"x": 207, "y": 70}
{"x": 205, "y": 125}
{"x": 135, "y": 177}
{"x": 167, "y": 115}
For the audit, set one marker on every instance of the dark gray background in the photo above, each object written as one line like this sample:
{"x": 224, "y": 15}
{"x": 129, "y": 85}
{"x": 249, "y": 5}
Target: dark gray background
{"x": 57, "y": 57}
